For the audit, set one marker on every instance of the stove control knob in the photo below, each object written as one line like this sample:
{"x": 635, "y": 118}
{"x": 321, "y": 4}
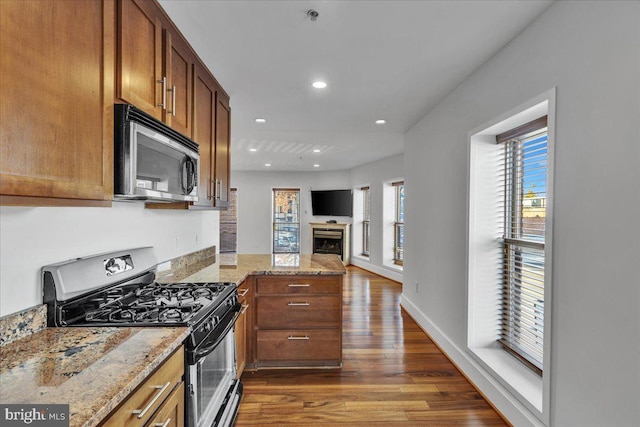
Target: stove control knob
{"x": 207, "y": 327}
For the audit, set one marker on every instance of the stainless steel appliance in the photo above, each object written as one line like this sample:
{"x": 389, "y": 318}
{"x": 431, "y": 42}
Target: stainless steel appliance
{"x": 119, "y": 289}
{"x": 151, "y": 160}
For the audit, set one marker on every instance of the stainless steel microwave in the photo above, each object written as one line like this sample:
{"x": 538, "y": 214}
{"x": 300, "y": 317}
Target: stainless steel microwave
{"x": 151, "y": 160}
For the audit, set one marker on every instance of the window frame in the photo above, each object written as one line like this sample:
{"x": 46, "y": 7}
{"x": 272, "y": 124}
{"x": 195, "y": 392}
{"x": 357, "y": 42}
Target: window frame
{"x": 492, "y": 363}
{"x": 366, "y": 221}
{"x": 398, "y": 224}
{"x": 275, "y": 224}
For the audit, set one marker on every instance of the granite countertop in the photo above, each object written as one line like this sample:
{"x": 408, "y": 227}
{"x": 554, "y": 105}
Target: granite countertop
{"x": 91, "y": 369}
{"x": 235, "y": 268}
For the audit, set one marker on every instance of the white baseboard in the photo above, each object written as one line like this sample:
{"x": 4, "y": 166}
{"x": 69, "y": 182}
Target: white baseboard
{"x": 381, "y": 271}
{"x": 499, "y": 396}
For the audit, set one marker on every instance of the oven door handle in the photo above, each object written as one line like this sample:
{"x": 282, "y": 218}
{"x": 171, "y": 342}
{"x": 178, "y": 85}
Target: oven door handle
{"x": 206, "y": 347}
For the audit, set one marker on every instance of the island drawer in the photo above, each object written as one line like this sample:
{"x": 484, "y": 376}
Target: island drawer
{"x": 298, "y": 311}
{"x": 299, "y": 345}
{"x": 299, "y": 284}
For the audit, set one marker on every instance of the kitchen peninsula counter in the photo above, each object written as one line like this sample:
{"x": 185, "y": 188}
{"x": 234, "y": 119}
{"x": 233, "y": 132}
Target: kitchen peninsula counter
{"x": 91, "y": 369}
{"x": 236, "y": 268}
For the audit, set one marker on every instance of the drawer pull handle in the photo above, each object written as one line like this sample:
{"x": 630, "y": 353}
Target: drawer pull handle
{"x": 165, "y": 424}
{"x": 243, "y": 293}
{"x": 296, "y": 304}
{"x": 161, "y": 389}
{"x": 244, "y": 308}
{"x": 299, "y": 285}
{"x": 298, "y": 338}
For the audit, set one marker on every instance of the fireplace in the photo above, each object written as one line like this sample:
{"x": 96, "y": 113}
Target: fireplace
{"x": 331, "y": 238}
{"x": 328, "y": 241}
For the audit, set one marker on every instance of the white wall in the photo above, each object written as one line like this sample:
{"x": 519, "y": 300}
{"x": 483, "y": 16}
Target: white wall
{"x": 255, "y": 201}
{"x": 590, "y": 51}
{"x": 34, "y": 237}
{"x": 375, "y": 175}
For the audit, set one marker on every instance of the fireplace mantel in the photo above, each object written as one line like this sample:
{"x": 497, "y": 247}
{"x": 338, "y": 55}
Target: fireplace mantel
{"x": 325, "y": 243}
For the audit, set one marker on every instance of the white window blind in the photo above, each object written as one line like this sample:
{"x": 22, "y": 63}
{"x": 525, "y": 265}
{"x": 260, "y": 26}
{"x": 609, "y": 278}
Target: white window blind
{"x": 523, "y": 181}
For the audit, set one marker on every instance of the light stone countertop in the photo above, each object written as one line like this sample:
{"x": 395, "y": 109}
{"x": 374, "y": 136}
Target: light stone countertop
{"x": 91, "y": 369}
{"x": 235, "y": 268}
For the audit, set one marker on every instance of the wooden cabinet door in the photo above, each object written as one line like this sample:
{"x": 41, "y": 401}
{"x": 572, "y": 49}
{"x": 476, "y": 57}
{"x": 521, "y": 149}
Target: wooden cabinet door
{"x": 178, "y": 64}
{"x": 204, "y": 104}
{"x": 223, "y": 151}
{"x": 139, "y": 68}
{"x": 56, "y": 101}
{"x": 171, "y": 413}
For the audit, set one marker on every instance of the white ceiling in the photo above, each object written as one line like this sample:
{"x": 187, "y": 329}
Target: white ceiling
{"x": 391, "y": 60}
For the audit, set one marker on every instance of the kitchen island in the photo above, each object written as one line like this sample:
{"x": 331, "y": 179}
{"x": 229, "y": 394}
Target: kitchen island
{"x": 292, "y": 304}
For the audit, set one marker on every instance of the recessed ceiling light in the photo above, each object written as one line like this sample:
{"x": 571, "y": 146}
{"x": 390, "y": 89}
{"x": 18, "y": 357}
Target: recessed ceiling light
{"x": 319, "y": 85}
{"x": 260, "y": 120}
{"x": 381, "y": 121}
{"x": 316, "y": 150}
{"x": 267, "y": 164}
{"x": 316, "y": 166}
{"x": 253, "y": 150}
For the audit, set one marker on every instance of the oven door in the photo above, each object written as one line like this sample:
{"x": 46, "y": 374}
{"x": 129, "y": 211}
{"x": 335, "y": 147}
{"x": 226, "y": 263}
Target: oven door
{"x": 214, "y": 391}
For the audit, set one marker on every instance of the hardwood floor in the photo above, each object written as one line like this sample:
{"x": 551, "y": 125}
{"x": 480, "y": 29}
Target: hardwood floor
{"x": 392, "y": 374}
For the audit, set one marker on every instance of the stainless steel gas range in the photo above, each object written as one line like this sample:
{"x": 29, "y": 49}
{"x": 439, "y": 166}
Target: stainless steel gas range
{"x": 119, "y": 289}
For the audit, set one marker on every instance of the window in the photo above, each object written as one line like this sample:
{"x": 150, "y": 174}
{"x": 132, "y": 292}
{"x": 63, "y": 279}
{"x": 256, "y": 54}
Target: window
{"x": 510, "y": 241}
{"x": 523, "y": 179}
{"x": 398, "y": 233}
{"x": 286, "y": 220}
{"x": 366, "y": 220}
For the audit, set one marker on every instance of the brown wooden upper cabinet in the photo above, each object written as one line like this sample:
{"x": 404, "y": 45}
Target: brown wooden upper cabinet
{"x": 211, "y": 117}
{"x": 159, "y": 73}
{"x": 154, "y": 64}
{"x": 58, "y": 88}
{"x": 223, "y": 151}
{"x": 56, "y": 92}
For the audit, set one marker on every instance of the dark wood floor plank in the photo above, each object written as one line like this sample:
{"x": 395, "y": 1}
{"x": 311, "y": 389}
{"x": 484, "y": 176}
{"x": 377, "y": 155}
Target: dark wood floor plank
{"x": 392, "y": 374}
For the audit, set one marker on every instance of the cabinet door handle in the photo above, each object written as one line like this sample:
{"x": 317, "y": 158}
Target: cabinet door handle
{"x": 165, "y": 424}
{"x": 173, "y": 101}
{"x": 161, "y": 389}
{"x": 163, "y": 82}
{"x": 243, "y": 293}
{"x": 299, "y": 285}
{"x": 244, "y": 308}
{"x": 298, "y": 338}
{"x": 295, "y": 304}
{"x": 211, "y": 191}
{"x": 218, "y": 188}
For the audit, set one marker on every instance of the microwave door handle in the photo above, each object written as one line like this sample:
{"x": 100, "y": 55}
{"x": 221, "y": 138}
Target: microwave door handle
{"x": 183, "y": 175}
{"x": 187, "y": 175}
{"x": 192, "y": 175}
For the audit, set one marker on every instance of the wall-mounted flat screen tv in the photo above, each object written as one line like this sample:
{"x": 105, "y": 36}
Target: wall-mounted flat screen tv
{"x": 332, "y": 203}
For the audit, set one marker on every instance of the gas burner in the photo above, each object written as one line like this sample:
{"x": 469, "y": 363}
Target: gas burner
{"x": 172, "y": 315}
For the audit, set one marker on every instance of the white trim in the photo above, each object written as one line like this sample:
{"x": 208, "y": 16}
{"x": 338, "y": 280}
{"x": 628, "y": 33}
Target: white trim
{"x": 500, "y": 397}
{"x": 365, "y": 264}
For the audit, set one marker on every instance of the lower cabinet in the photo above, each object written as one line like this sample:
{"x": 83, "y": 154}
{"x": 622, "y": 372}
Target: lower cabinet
{"x": 158, "y": 401}
{"x": 298, "y": 321}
